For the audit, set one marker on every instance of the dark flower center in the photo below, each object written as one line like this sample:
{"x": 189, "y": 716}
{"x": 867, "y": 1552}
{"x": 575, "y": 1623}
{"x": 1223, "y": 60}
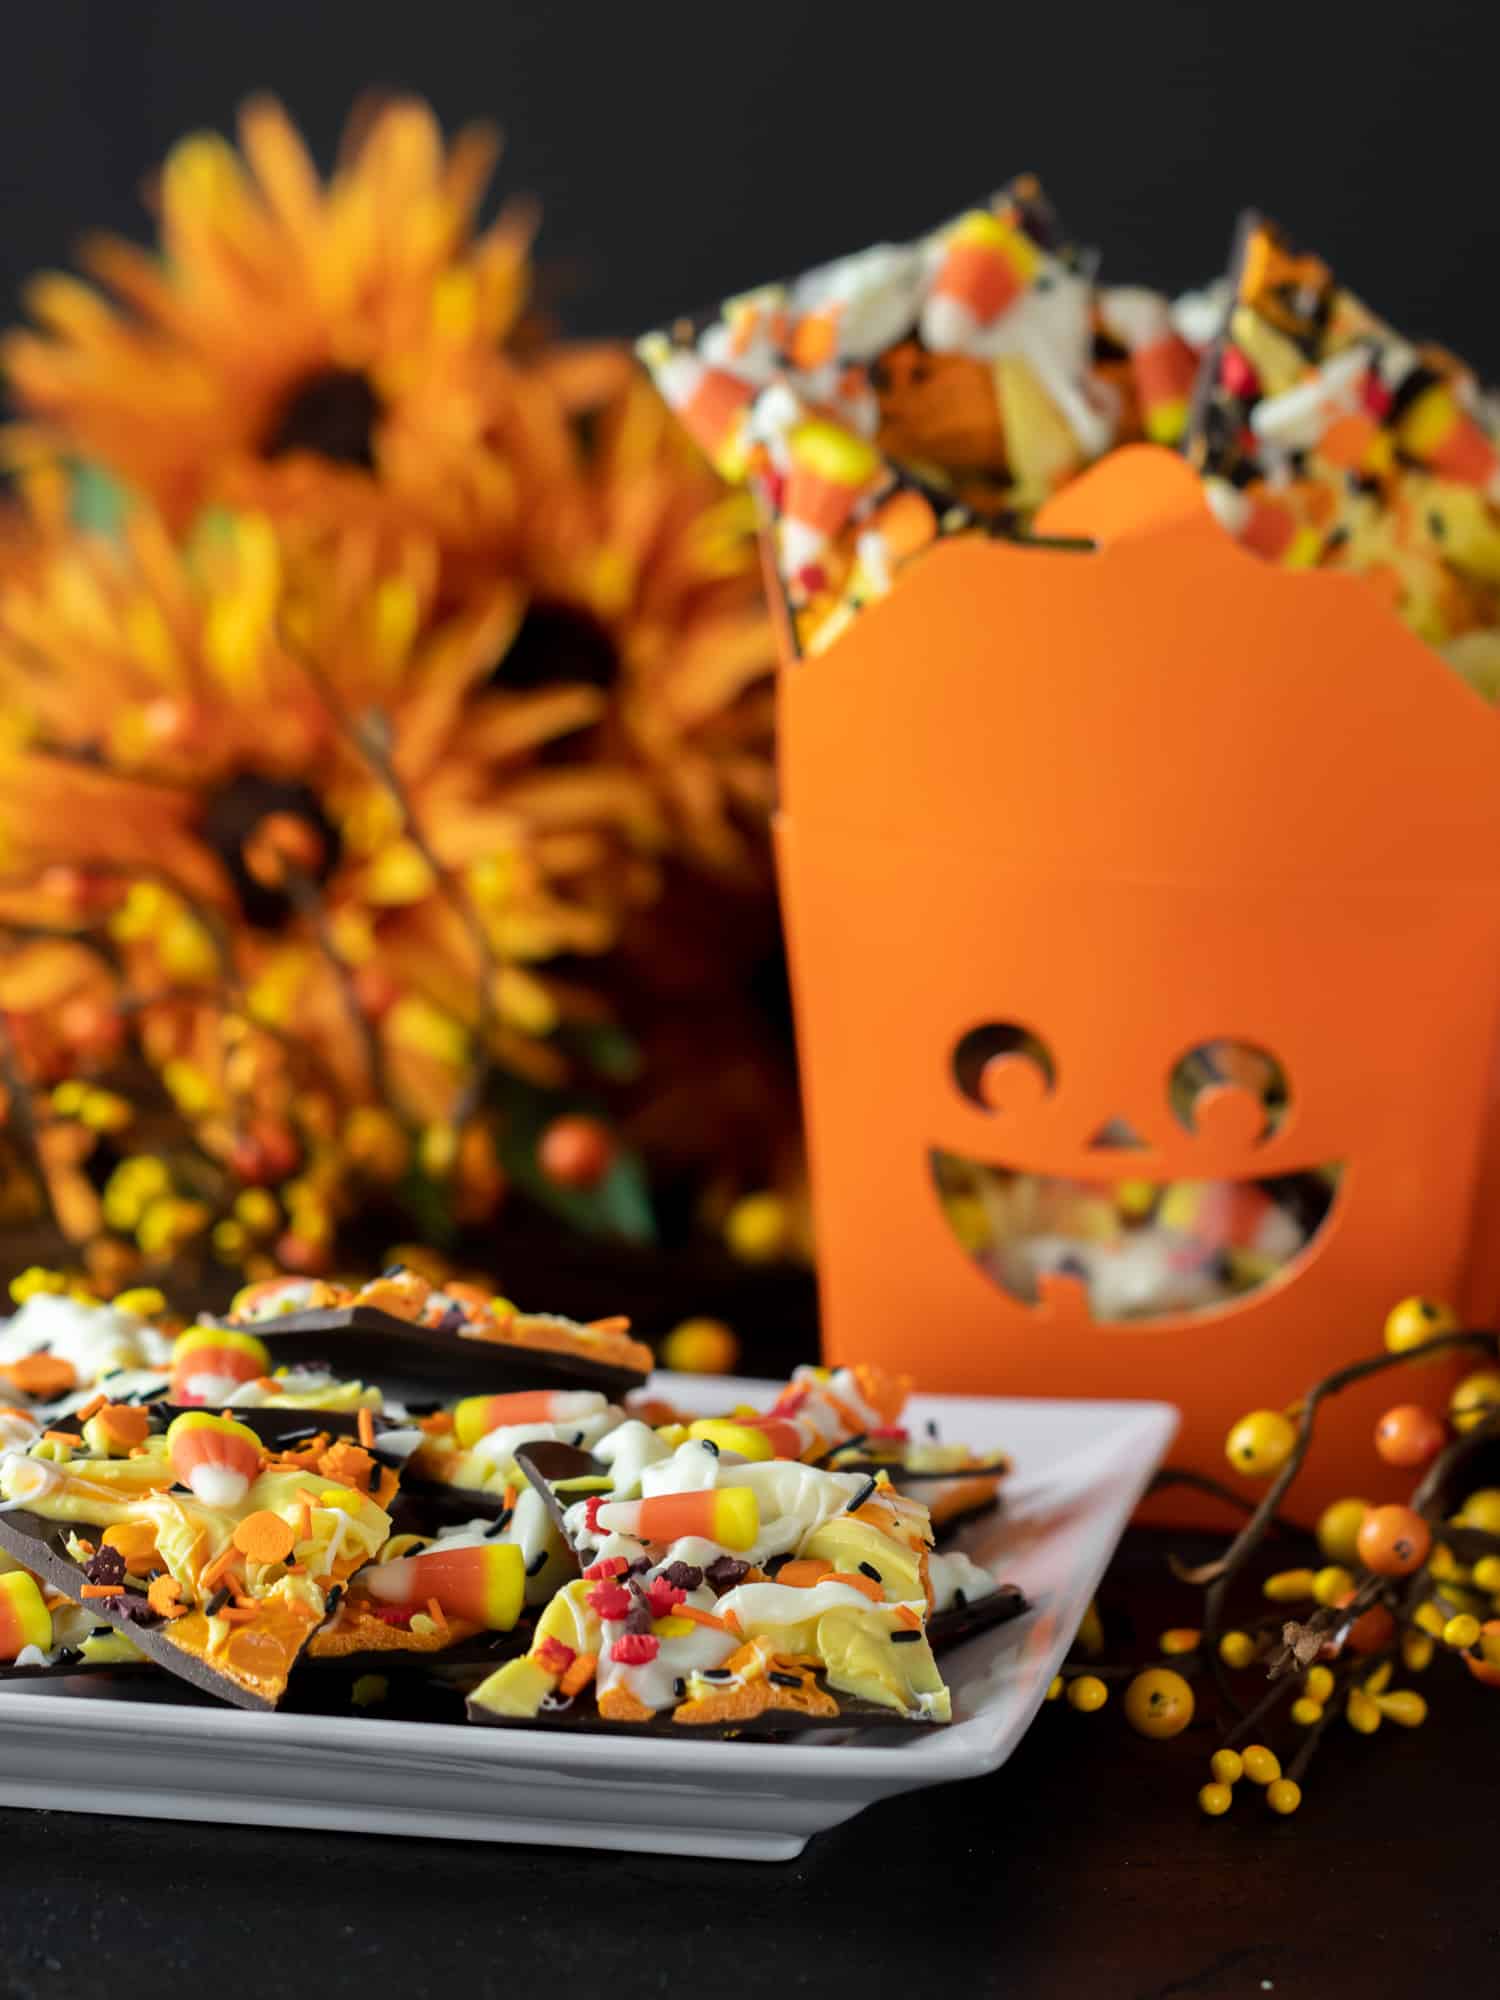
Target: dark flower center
{"x": 555, "y": 645}
{"x": 332, "y": 413}
{"x": 229, "y": 826}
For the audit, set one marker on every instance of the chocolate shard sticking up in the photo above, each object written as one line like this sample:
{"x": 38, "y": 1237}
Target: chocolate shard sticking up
{"x": 947, "y": 1629}
{"x": 411, "y": 1360}
{"x": 548, "y": 1464}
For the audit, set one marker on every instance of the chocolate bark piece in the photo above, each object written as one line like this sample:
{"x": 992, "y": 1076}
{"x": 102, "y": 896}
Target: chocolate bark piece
{"x": 41, "y": 1546}
{"x": 582, "y": 1713}
{"x": 462, "y": 1665}
{"x": 411, "y": 1360}
{"x": 282, "y": 1430}
{"x": 947, "y": 1629}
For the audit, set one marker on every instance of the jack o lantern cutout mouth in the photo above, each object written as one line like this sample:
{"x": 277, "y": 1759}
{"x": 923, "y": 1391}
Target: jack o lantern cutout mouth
{"x": 1129, "y": 1247}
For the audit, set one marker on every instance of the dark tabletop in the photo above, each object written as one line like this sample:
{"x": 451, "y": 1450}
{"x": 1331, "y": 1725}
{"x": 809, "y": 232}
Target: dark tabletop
{"x": 1082, "y": 1868}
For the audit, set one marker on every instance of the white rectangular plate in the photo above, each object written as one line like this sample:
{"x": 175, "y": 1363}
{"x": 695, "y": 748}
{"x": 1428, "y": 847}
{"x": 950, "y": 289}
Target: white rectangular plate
{"x": 1079, "y": 1470}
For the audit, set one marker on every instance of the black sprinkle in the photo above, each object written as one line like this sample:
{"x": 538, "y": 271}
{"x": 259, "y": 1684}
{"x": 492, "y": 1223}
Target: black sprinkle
{"x": 932, "y": 1429}
{"x": 158, "y": 1409}
{"x": 784, "y": 1680}
{"x": 682, "y": 1576}
{"x": 537, "y": 1564}
{"x": 960, "y": 1599}
{"x": 425, "y": 1408}
{"x": 717, "y": 1674}
{"x": 862, "y": 1496}
{"x": 107, "y": 1567}
{"x": 905, "y": 1638}
{"x": 334, "y": 1595}
{"x": 709, "y": 1445}
{"x": 377, "y": 1473}
{"x": 216, "y": 1603}
{"x": 679, "y": 1687}
{"x": 577, "y": 1439}
{"x": 869, "y": 1570}
{"x": 393, "y": 1271}
{"x": 498, "y": 1526}
{"x": 724, "y": 1572}
{"x": 110, "y": 1374}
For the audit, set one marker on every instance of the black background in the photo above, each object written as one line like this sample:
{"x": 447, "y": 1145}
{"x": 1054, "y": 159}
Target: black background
{"x": 685, "y": 150}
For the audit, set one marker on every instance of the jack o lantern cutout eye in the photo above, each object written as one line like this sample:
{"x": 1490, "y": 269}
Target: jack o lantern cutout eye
{"x": 1001, "y": 1066}
{"x": 1230, "y": 1090}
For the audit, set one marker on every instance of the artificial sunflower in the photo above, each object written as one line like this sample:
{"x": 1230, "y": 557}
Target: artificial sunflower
{"x": 375, "y": 674}
{"x": 328, "y": 350}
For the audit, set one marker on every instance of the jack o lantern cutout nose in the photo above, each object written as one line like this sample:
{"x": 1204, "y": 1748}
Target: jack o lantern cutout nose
{"x": 1094, "y": 856}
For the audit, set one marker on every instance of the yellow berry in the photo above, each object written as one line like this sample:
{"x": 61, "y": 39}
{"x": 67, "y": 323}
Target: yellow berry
{"x": 1179, "y": 1639}
{"x": 758, "y": 1228}
{"x": 1405, "y": 1706}
{"x": 1443, "y": 1566}
{"x": 1338, "y": 1530}
{"x": 1461, "y": 1632}
{"x": 1482, "y": 1510}
{"x": 1158, "y": 1703}
{"x": 700, "y": 1347}
{"x": 1055, "y": 1687}
{"x": 1363, "y": 1712}
{"x": 1087, "y": 1694}
{"x": 1236, "y": 1649}
{"x": 1414, "y": 1322}
{"x": 1487, "y": 1574}
{"x": 1319, "y": 1684}
{"x": 1489, "y": 1644}
{"x": 1260, "y": 1445}
{"x": 1284, "y": 1796}
{"x": 1091, "y": 1631}
{"x": 1427, "y": 1618}
{"x": 1289, "y": 1586}
{"x": 1417, "y": 1649}
{"x": 1333, "y": 1584}
{"x": 1475, "y": 1398}
{"x": 1227, "y": 1766}
{"x": 1215, "y": 1800}
{"x": 1305, "y": 1713}
{"x": 1380, "y": 1680}
{"x": 1262, "y": 1766}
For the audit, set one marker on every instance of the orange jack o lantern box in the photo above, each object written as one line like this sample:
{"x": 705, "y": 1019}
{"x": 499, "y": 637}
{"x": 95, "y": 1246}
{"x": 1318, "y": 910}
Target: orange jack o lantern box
{"x": 1141, "y": 880}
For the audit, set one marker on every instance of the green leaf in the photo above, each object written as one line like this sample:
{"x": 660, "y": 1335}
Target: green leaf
{"x": 97, "y": 502}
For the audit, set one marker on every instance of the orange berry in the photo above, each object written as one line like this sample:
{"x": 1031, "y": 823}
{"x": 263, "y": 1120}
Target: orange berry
{"x": 576, "y": 1152}
{"x": 1409, "y": 1435}
{"x": 1393, "y": 1541}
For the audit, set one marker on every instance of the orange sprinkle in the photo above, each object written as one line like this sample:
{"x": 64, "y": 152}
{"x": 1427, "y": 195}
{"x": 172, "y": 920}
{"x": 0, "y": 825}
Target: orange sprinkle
{"x": 579, "y": 1674}
{"x": 435, "y": 1425}
{"x": 264, "y": 1537}
{"x": 61, "y": 1437}
{"x": 222, "y": 1563}
{"x": 804, "y": 1572}
{"x": 698, "y": 1617}
{"x": 102, "y": 1590}
{"x": 304, "y": 1525}
{"x": 366, "y": 1428}
{"x": 91, "y": 1409}
{"x": 907, "y": 1617}
{"x": 855, "y": 1581}
{"x": 268, "y": 1384}
{"x": 730, "y": 1623}
{"x": 86, "y": 1545}
{"x": 436, "y": 1613}
{"x": 162, "y": 1596}
{"x": 509, "y": 1498}
{"x": 237, "y": 1614}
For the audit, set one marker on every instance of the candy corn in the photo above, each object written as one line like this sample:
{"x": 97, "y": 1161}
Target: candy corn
{"x": 726, "y": 1515}
{"x": 476, "y": 1416}
{"x": 215, "y": 1458}
{"x": 986, "y": 266}
{"x": 210, "y": 1363}
{"x": 1163, "y": 365}
{"x": 484, "y": 1583}
{"x": 24, "y": 1617}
